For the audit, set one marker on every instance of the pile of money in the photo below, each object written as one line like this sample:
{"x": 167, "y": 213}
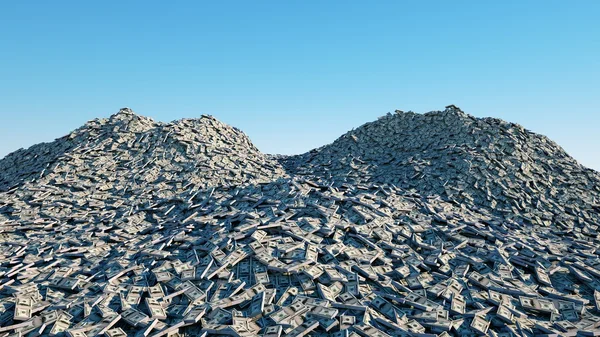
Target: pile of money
{"x": 130, "y": 227}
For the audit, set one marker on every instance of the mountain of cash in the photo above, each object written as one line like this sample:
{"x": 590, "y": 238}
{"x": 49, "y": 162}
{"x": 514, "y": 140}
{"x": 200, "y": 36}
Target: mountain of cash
{"x": 439, "y": 224}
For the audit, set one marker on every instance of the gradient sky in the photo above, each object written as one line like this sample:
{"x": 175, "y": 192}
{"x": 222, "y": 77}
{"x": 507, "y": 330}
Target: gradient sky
{"x": 295, "y": 75}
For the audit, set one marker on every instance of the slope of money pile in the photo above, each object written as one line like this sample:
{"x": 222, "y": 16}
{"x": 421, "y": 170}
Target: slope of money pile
{"x": 129, "y": 227}
{"x": 134, "y": 152}
{"x": 483, "y": 163}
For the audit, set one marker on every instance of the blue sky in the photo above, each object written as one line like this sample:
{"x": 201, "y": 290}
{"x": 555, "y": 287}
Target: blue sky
{"x": 295, "y": 75}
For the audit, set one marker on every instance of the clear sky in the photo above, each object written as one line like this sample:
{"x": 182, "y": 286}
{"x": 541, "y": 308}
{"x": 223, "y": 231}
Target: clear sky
{"x": 295, "y": 75}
